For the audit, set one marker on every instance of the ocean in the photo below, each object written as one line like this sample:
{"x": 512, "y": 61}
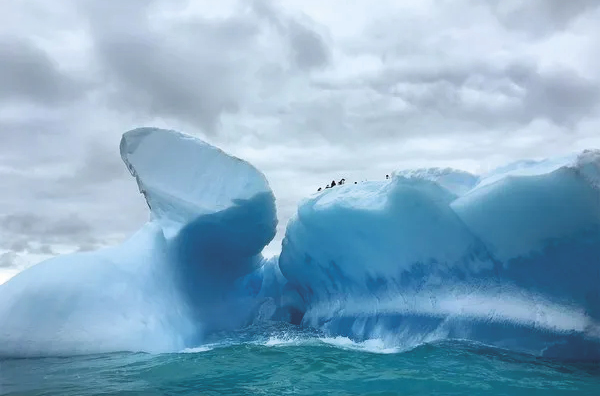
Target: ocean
{"x": 292, "y": 361}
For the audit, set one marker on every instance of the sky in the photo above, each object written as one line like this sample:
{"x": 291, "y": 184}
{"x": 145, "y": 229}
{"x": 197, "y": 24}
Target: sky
{"x": 306, "y": 90}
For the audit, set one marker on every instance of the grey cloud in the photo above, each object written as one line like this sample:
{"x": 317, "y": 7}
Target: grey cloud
{"x": 19, "y": 246}
{"x": 36, "y": 227}
{"x": 100, "y": 165}
{"x": 517, "y": 94}
{"x": 50, "y": 174}
{"x": 562, "y": 96}
{"x": 42, "y": 136}
{"x": 7, "y": 260}
{"x": 193, "y": 70}
{"x": 44, "y": 249}
{"x": 23, "y": 246}
{"x": 27, "y": 73}
{"x": 72, "y": 225}
{"x": 314, "y": 103}
{"x": 19, "y": 223}
{"x": 308, "y": 47}
{"x": 88, "y": 247}
{"x": 540, "y": 17}
{"x": 163, "y": 78}
{"x": 185, "y": 71}
{"x": 10, "y": 259}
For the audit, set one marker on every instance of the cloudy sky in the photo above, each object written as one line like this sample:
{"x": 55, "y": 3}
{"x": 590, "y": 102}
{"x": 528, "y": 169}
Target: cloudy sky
{"x": 306, "y": 90}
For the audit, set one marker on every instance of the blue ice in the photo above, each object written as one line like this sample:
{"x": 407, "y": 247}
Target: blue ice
{"x": 510, "y": 258}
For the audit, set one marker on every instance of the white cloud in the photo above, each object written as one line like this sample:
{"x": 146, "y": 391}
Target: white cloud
{"x": 308, "y": 91}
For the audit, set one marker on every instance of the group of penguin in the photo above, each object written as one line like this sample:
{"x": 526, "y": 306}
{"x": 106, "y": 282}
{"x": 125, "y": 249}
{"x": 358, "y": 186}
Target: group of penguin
{"x": 342, "y": 181}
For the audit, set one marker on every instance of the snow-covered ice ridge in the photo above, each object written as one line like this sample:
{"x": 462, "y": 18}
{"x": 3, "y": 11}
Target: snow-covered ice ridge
{"x": 510, "y": 258}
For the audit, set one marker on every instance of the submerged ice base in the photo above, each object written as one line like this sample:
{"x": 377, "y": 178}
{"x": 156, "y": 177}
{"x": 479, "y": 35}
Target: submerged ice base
{"x": 510, "y": 258}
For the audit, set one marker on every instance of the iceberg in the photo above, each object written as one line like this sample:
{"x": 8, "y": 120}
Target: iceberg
{"x": 510, "y": 258}
{"x": 541, "y": 220}
{"x": 210, "y": 216}
{"x": 377, "y": 237}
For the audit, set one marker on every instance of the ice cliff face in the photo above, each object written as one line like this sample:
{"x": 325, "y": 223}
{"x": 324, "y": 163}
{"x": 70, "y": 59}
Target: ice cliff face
{"x": 510, "y": 258}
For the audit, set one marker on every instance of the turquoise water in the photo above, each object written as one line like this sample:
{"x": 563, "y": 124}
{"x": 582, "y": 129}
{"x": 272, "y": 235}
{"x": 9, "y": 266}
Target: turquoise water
{"x": 301, "y": 363}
